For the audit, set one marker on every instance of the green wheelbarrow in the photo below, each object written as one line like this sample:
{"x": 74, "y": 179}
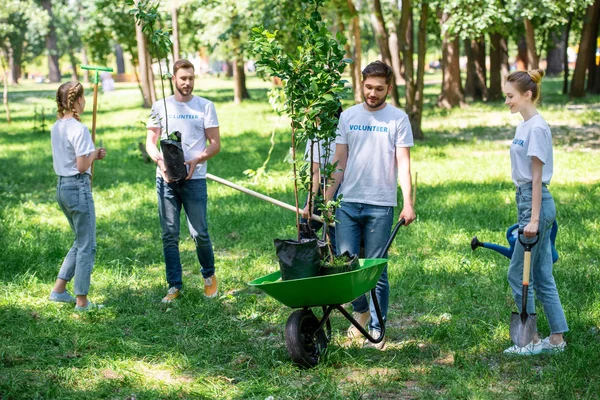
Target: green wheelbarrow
{"x": 307, "y": 336}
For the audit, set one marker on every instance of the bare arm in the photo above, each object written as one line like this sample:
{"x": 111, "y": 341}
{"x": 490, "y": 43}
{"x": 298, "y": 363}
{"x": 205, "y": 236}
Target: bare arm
{"x": 536, "y": 197}
{"x": 84, "y": 162}
{"x": 341, "y": 157}
{"x": 152, "y": 150}
{"x": 214, "y": 147}
{"x": 404, "y": 178}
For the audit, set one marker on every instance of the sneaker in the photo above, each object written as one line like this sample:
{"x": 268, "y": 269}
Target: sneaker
{"x": 553, "y": 348}
{"x": 64, "y": 297}
{"x": 362, "y": 319}
{"x": 530, "y": 349}
{"x": 89, "y": 307}
{"x": 379, "y": 346}
{"x": 210, "y": 286}
{"x": 172, "y": 294}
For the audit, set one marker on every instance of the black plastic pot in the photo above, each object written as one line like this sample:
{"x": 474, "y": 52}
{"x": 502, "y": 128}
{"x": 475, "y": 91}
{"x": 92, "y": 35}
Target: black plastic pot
{"x": 173, "y": 158}
{"x": 298, "y": 259}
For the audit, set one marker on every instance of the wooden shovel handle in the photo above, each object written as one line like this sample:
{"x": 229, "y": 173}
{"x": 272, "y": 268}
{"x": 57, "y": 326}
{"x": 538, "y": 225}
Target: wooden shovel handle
{"x": 258, "y": 195}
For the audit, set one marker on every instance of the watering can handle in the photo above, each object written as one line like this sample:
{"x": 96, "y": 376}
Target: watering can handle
{"x": 392, "y": 236}
{"x": 528, "y": 246}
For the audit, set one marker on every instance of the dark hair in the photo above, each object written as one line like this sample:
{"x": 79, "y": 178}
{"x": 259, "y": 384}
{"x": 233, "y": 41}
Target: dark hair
{"x": 528, "y": 81}
{"x": 378, "y": 69}
{"x": 182, "y": 63}
{"x": 66, "y": 96}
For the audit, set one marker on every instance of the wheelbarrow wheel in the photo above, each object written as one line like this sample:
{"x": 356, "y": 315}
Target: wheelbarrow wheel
{"x": 304, "y": 343}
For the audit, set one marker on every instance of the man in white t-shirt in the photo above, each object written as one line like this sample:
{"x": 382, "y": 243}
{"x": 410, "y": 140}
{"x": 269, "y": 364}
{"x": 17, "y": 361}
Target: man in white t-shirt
{"x": 196, "y": 119}
{"x": 373, "y": 155}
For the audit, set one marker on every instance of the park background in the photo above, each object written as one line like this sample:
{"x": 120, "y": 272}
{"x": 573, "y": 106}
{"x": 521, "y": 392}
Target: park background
{"x": 450, "y": 307}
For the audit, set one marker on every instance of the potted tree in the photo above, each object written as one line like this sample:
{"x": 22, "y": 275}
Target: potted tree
{"x": 312, "y": 81}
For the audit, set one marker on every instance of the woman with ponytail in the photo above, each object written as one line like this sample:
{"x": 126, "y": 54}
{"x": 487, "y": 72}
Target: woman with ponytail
{"x": 531, "y": 169}
{"x": 73, "y": 153}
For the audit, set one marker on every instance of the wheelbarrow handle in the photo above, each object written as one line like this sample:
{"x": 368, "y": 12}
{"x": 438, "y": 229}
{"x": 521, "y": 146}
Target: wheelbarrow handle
{"x": 528, "y": 246}
{"x": 392, "y": 236}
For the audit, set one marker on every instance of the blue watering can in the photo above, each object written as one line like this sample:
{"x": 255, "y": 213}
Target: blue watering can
{"x": 511, "y": 236}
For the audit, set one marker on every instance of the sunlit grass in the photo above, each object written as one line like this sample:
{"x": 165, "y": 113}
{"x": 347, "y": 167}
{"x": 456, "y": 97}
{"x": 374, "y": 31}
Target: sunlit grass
{"x": 448, "y": 320}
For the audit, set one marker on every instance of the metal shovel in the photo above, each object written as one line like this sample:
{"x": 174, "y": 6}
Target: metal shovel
{"x": 524, "y": 326}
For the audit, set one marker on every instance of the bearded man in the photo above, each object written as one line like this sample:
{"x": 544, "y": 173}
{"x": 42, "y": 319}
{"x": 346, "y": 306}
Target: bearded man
{"x": 373, "y": 155}
{"x": 196, "y": 120}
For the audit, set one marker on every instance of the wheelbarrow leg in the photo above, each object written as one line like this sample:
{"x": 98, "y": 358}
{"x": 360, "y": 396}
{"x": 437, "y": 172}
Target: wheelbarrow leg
{"x": 362, "y": 330}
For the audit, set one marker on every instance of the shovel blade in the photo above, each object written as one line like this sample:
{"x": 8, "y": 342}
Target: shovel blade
{"x": 522, "y": 328}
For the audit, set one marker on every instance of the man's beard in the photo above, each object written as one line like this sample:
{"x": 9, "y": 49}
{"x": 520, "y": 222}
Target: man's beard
{"x": 377, "y": 105}
{"x": 181, "y": 91}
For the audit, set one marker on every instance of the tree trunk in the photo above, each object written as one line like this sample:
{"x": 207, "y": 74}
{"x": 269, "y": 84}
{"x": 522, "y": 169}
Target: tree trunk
{"x": 554, "y": 59}
{"x": 51, "y": 47}
{"x": 228, "y": 69}
{"x": 151, "y": 77}
{"x": 8, "y": 51}
{"x": 73, "y": 62}
{"x": 498, "y": 65}
{"x": 85, "y": 72}
{"x": 383, "y": 43}
{"x": 595, "y": 24}
{"x": 120, "y": 59}
{"x": 175, "y": 33}
{"x": 452, "y": 93}
{"x": 395, "y": 49}
{"x": 405, "y": 28}
{"x": 5, "y": 94}
{"x": 356, "y": 65}
{"x": 532, "y": 56}
{"x": 143, "y": 65}
{"x": 414, "y": 90}
{"x": 588, "y": 39}
{"x": 239, "y": 75}
{"x": 565, "y": 89}
{"x": 521, "y": 59}
{"x": 421, "y": 50}
{"x": 476, "y": 82}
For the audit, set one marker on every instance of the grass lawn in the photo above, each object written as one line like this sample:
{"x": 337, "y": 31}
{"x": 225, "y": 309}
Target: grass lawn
{"x": 450, "y": 307}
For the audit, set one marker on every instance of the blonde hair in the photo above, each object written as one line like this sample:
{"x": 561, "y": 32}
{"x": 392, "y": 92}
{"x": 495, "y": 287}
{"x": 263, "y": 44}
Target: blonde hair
{"x": 528, "y": 81}
{"x": 66, "y": 96}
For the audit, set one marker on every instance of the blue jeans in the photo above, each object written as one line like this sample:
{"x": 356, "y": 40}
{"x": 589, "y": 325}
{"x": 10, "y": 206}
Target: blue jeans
{"x": 373, "y": 223}
{"x": 74, "y": 196}
{"x": 541, "y": 279}
{"x": 190, "y": 194}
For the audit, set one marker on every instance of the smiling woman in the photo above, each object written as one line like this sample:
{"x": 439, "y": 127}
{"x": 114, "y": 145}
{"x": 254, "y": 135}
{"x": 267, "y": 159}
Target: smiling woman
{"x": 532, "y": 165}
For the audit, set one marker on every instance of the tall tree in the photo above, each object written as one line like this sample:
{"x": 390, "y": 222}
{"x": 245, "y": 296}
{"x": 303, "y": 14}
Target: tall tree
{"x": 175, "y": 33}
{"x": 452, "y": 92}
{"x": 383, "y": 42}
{"x": 149, "y": 95}
{"x": 355, "y": 66}
{"x": 52, "y": 44}
{"x": 414, "y": 87}
{"x": 588, "y": 39}
{"x": 499, "y": 67}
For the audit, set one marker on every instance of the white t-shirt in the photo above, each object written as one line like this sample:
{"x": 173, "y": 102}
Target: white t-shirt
{"x": 191, "y": 119}
{"x": 371, "y": 175}
{"x": 70, "y": 139}
{"x": 532, "y": 138}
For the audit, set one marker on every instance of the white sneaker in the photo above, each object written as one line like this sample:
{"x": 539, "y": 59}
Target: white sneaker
{"x": 375, "y": 335}
{"x": 553, "y": 348}
{"x": 362, "y": 319}
{"x": 530, "y": 349}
